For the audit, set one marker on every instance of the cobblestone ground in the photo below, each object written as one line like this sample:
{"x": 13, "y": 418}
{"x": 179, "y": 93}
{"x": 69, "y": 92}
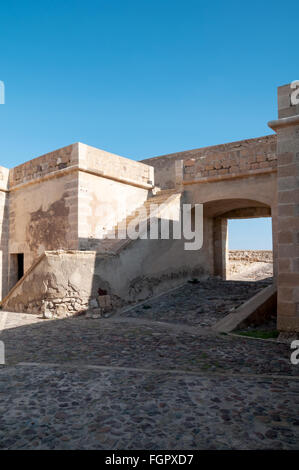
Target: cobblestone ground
{"x": 201, "y": 304}
{"x": 145, "y": 379}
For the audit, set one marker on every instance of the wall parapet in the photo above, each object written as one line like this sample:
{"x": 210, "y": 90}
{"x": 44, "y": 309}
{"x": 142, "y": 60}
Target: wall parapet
{"x": 4, "y": 175}
{"x": 235, "y": 159}
{"x": 81, "y": 157}
{"x": 109, "y": 165}
{"x": 44, "y": 165}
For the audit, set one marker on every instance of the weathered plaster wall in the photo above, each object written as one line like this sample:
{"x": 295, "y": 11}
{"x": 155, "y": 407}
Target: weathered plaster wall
{"x": 110, "y": 188}
{"x": 102, "y": 204}
{"x": 62, "y": 279}
{"x": 44, "y": 216}
{"x": 69, "y": 281}
{"x": 44, "y": 199}
{"x": 148, "y": 267}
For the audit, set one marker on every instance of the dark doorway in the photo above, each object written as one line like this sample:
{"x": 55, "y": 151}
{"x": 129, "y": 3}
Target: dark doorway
{"x": 20, "y": 265}
{"x": 16, "y": 268}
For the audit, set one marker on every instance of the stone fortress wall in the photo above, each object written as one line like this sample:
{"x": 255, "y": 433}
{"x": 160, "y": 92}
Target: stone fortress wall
{"x": 64, "y": 199}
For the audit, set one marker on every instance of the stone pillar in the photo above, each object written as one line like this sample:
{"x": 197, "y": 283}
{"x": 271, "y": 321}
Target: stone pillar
{"x": 274, "y": 211}
{"x": 220, "y": 247}
{"x": 287, "y": 129}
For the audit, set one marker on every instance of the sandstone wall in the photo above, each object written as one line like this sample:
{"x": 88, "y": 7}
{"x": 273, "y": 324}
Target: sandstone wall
{"x": 4, "y": 230}
{"x": 102, "y": 203}
{"x": 110, "y": 188}
{"x": 68, "y": 282}
{"x": 48, "y": 211}
{"x": 43, "y": 216}
{"x": 46, "y": 165}
{"x": 250, "y": 156}
{"x": 115, "y": 167}
{"x": 287, "y": 227}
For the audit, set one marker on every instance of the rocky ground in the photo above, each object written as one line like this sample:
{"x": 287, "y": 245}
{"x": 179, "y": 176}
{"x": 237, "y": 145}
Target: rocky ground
{"x": 250, "y": 271}
{"x": 152, "y": 377}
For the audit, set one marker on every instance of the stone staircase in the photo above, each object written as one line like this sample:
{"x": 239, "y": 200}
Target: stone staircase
{"x": 116, "y": 238}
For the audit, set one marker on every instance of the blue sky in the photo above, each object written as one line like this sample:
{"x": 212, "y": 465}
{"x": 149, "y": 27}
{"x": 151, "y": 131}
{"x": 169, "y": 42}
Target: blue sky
{"x": 141, "y": 78}
{"x": 246, "y": 234}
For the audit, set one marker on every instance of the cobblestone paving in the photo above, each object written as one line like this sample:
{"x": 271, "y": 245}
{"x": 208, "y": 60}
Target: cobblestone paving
{"x": 129, "y": 344}
{"x": 56, "y": 408}
{"x": 132, "y": 382}
{"x": 200, "y": 304}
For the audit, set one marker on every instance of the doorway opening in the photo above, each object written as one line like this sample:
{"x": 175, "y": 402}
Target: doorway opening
{"x": 16, "y": 268}
{"x": 20, "y": 261}
{"x": 250, "y": 255}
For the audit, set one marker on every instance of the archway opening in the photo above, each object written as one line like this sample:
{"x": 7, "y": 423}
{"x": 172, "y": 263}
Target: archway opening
{"x": 230, "y": 213}
{"x": 250, "y": 255}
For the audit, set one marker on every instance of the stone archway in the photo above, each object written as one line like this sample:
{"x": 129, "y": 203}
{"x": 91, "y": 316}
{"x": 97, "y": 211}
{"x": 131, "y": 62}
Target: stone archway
{"x": 220, "y": 211}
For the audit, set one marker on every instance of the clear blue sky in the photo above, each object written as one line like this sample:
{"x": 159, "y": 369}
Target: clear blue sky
{"x": 141, "y": 78}
{"x": 246, "y": 234}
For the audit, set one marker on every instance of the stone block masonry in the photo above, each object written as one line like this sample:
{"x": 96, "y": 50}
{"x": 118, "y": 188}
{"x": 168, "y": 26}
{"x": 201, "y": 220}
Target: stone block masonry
{"x": 287, "y": 128}
{"x": 226, "y": 161}
{"x": 61, "y": 159}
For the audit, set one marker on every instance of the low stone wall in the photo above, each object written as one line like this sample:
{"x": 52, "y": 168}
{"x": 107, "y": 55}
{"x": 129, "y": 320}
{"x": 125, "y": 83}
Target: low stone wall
{"x": 220, "y": 161}
{"x": 44, "y": 165}
{"x": 114, "y": 166}
{"x": 251, "y": 256}
{"x": 59, "y": 284}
